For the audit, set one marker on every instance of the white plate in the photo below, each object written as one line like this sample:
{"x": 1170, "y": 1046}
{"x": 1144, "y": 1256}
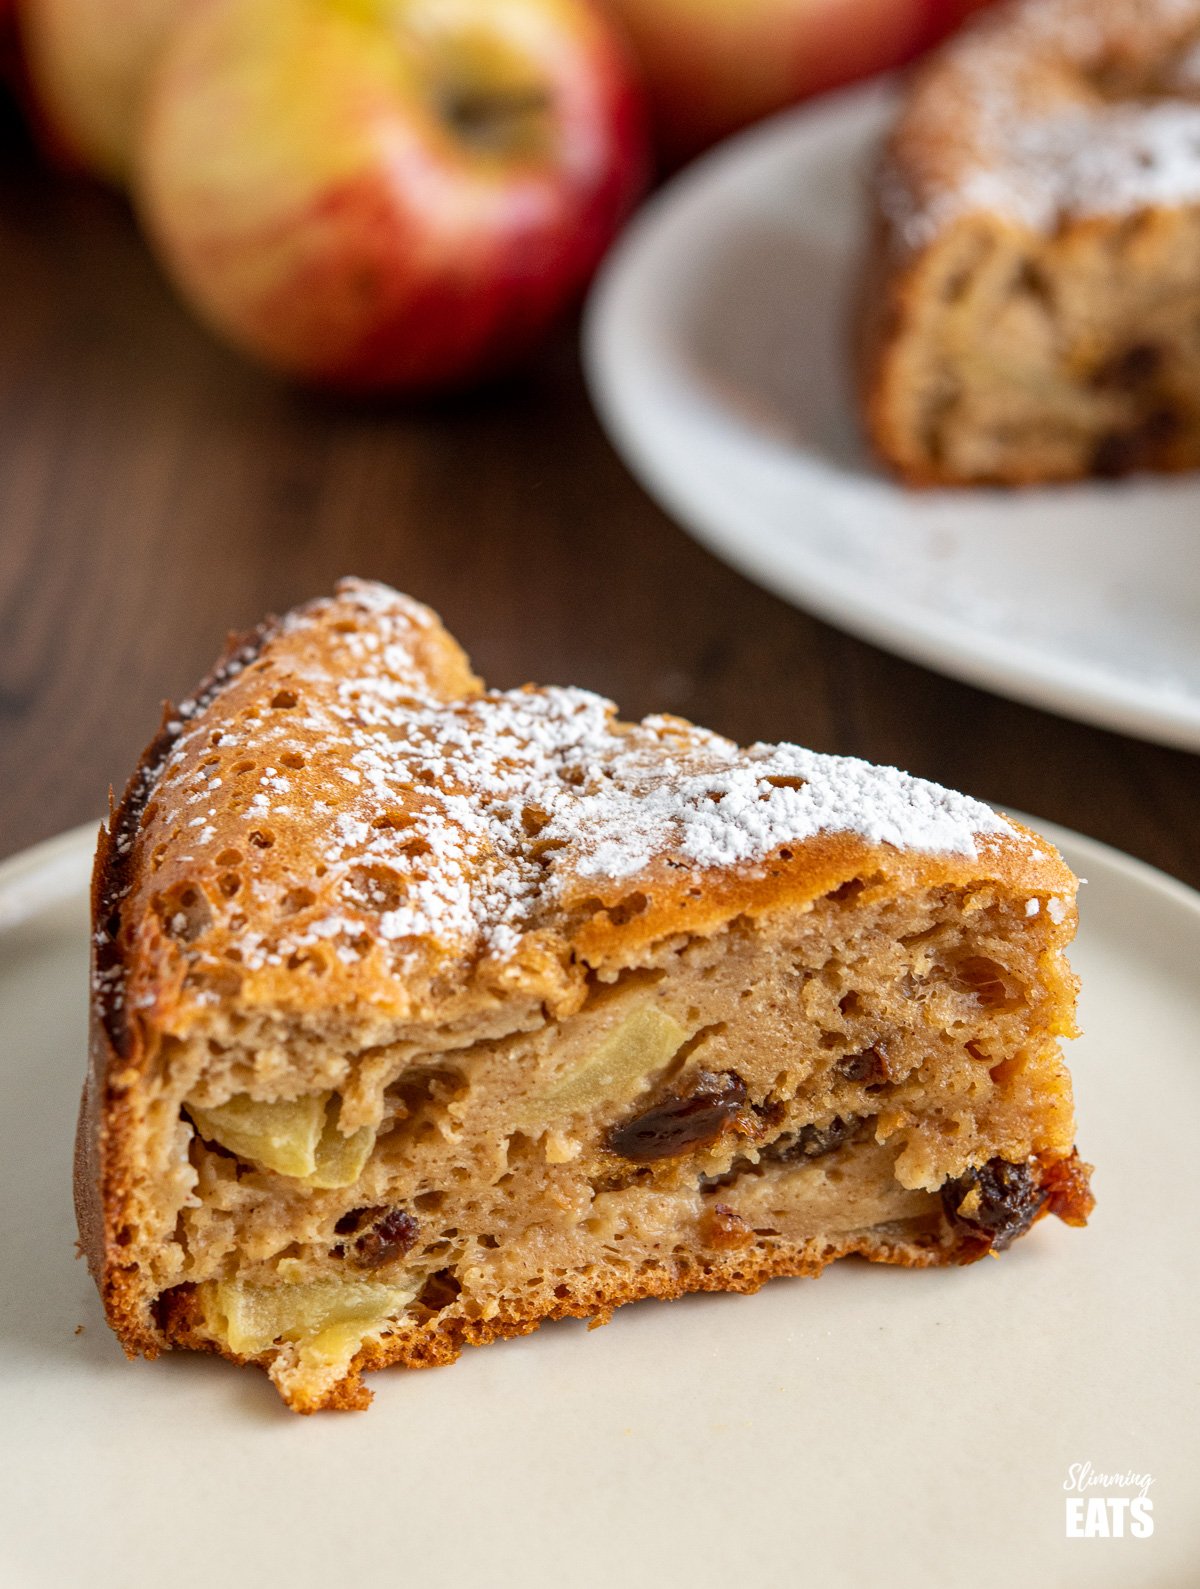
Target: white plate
{"x": 875, "y": 1426}
{"x": 717, "y": 348}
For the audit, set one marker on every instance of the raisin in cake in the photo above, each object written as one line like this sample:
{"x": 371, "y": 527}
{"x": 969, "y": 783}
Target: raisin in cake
{"x": 423, "y": 1013}
{"x": 1034, "y": 306}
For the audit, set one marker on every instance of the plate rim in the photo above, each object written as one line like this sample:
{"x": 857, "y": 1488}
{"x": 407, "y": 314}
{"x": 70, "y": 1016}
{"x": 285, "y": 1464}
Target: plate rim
{"x": 43, "y": 874}
{"x": 950, "y": 647}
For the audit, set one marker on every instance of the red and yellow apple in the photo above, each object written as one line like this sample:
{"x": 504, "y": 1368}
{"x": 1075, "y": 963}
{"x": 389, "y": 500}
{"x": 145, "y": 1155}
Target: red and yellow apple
{"x": 88, "y": 63}
{"x": 388, "y": 194}
{"x": 712, "y": 66}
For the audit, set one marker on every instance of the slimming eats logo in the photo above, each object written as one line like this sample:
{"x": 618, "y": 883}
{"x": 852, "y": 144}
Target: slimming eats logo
{"x": 1126, "y": 1515}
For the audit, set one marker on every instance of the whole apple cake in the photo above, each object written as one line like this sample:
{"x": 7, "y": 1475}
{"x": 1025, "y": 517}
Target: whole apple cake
{"x": 1033, "y": 312}
{"x": 422, "y": 1013}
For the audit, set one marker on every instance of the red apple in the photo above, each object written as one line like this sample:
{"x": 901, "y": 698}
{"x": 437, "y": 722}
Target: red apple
{"x": 88, "y": 62}
{"x": 389, "y": 194}
{"x": 712, "y": 66}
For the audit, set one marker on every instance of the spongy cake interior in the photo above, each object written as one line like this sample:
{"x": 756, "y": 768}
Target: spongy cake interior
{"x": 803, "y": 1086}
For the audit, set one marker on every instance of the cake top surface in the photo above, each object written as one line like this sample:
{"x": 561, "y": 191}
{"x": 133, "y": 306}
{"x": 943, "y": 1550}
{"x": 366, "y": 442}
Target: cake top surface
{"x": 344, "y": 799}
{"x": 1049, "y": 110}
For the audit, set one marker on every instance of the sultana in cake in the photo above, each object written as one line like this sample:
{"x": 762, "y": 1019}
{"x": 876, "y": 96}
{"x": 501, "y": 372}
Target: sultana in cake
{"x": 1033, "y": 310}
{"x": 422, "y": 1013}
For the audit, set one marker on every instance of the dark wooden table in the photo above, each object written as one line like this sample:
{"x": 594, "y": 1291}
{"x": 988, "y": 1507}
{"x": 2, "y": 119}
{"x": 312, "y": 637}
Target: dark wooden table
{"x": 155, "y": 491}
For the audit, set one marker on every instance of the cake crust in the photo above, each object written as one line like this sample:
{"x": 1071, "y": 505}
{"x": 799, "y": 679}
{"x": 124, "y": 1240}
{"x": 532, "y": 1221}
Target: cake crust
{"x": 520, "y": 909}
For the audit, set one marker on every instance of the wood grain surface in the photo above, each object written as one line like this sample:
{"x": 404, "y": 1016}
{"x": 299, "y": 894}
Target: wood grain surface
{"x": 156, "y": 491}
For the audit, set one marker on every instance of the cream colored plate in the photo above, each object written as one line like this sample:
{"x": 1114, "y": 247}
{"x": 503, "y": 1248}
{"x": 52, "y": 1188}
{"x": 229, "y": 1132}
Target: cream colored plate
{"x": 718, "y": 354}
{"x": 872, "y": 1427}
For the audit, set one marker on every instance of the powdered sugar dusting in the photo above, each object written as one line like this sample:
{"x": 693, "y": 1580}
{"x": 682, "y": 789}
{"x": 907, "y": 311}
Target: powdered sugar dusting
{"x": 1041, "y": 140}
{"x": 1119, "y": 160}
{"x": 468, "y": 823}
{"x": 1110, "y": 161}
{"x": 750, "y": 804}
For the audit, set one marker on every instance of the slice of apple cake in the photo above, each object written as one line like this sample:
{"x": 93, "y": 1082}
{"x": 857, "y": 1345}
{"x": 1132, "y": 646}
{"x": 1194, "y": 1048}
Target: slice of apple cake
{"x": 1033, "y": 305}
{"x": 423, "y": 1013}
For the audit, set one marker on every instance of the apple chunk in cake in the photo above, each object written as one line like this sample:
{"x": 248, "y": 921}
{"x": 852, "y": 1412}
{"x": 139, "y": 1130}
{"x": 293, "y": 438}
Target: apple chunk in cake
{"x": 423, "y": 1013}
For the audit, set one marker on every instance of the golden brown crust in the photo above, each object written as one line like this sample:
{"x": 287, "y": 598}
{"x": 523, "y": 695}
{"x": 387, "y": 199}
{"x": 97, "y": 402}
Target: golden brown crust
{"x": 1057, "y": 132}
{"x": 578, "y": 918}
{"x": 158, "y": 969}
{"x": 746, "y": 1270}
{"x": 116, "y": 1047}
